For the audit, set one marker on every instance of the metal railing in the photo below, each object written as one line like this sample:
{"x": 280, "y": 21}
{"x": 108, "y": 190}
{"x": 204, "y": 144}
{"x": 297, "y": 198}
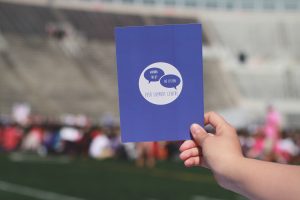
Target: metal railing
{"x": 254, "y": 5}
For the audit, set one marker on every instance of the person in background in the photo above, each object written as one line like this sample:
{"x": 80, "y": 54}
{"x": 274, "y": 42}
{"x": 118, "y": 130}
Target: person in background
{"x": 100, "y": 147}
{"x": 145, "y": 154}
{"x": 286, "y": 148}
{"x": 257, "y": 149}
{"x": 11, "y": 137}
{"x": 272, "y": 133}
{"x": 221, "y": 152}
{"x": 1, "y": 136}
{"x": 33, "y": 140}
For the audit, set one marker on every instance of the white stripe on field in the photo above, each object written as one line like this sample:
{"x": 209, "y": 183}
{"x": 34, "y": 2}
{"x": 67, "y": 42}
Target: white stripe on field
{"x": 35, "y": 193}
{"x": 18, "y": 157}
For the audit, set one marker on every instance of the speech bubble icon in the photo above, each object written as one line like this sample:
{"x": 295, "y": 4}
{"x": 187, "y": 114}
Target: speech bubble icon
{"x": 153, "y": 74}
{"x": 170, "y": 81}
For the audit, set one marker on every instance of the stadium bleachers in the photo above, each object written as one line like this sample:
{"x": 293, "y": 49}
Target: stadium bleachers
{"x": 10, "y": 89}
{"x": 257, "y": 34}
{"x": 282, "y": 85}
{"x": 219, "y": 91}
{"x": 52, "y": 79}
{"x": 81, "y": 67}
{"x": 100, "y": 25}
{"x": 41, "y": 70}
{"x": 269, "y": 44}
{"x": 25, "y": 20}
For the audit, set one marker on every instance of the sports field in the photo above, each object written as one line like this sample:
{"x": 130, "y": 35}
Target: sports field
{"x": 31, "y": 177}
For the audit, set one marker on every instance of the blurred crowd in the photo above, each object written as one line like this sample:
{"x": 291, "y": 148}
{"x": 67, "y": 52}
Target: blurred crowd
{"x": 270, "y": 142}
{"x": 99, "y": 142}
{"x": 76, "y": 136}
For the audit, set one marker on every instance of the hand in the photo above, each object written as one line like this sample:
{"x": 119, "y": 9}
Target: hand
{"x": 219, "y": 152}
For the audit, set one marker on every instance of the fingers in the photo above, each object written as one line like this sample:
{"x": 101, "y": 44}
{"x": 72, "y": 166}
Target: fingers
{"x": 188, "y": 144}
{"x": 191, "y": 149}
{"x": 190, "y": 153}
{"x": 193, "y": 161}
{"x": 214, "y": 119}
{"x": 198, "y": 133}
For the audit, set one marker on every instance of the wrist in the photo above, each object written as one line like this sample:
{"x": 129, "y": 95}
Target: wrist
{"x": 231, "y": 176}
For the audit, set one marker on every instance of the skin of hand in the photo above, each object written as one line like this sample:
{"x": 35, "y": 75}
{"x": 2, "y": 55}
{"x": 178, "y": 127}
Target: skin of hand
{"x": 218, "y": 152}
{"x": 221, "y": 152}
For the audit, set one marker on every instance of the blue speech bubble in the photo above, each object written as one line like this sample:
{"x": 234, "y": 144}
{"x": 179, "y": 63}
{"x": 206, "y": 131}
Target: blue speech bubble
{"x": 170, "y": 81}
{"x": 153, "y": 74}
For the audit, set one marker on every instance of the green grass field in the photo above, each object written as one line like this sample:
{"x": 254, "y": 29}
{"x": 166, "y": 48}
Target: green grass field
{"x": 31, "y": 177}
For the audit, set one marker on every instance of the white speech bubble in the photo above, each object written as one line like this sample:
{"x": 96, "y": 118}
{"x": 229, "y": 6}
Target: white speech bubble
{"x": 154, "y": 92}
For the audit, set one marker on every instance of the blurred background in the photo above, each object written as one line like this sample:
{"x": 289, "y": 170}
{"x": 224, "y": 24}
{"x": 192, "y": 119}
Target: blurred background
{"x": 59, "y": 120}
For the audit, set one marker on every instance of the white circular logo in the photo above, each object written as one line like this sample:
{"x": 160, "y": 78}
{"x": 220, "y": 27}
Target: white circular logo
{"x": 160, "y": 83}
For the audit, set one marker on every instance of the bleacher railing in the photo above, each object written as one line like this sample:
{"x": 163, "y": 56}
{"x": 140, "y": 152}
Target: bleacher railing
{"x": 254, "y": 5}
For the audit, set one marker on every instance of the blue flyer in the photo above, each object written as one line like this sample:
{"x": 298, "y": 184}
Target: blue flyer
{"x": 160, "y": 80}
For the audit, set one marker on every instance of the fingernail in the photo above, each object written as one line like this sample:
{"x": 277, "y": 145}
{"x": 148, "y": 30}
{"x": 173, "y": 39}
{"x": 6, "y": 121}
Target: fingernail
{"x": 195, "y": 128}
{"x": 181, "y": 156}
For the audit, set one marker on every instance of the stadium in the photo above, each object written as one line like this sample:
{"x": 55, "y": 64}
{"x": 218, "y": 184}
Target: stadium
{"x": 58, "y": 86}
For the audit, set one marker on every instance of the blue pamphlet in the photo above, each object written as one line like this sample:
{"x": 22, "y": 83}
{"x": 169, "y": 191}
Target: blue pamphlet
{"x": 160, "y": 80}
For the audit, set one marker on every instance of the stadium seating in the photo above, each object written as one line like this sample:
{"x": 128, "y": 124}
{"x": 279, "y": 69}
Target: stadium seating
{"x": 25, "y": 20}
{"x": 77, "y": 73}
{"x": 56, "y": 83}
{"x": 48, "y": 73}
{"x": 257, "y": 34}
{"x": 282, "y": 85}
{"x": 219, "y": 90}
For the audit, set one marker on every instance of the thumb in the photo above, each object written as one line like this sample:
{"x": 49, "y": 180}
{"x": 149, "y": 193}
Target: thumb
{"x": 198, "y": 133}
